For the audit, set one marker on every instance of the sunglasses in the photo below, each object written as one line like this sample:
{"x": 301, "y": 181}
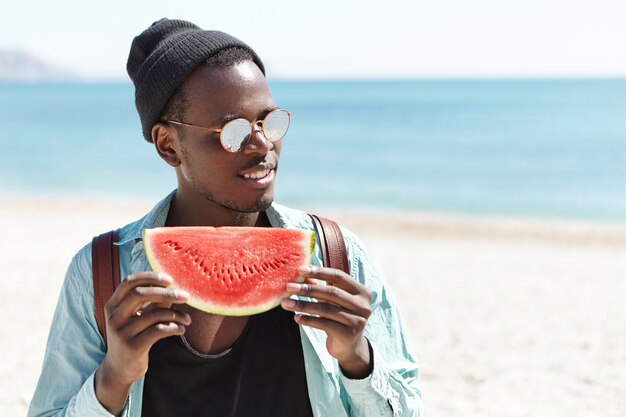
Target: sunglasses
{"x": 236, "y": 133}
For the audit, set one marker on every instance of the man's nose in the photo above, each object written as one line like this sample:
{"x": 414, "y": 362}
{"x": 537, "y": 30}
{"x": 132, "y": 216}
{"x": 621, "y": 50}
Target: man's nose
{"x": 258, "y": 143}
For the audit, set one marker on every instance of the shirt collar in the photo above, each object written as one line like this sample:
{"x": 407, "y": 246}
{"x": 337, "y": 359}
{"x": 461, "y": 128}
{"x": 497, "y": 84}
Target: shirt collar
{"x": 155, "y": 218}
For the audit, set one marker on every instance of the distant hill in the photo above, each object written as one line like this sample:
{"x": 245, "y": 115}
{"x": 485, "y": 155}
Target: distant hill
{"x": 20, "y": 66}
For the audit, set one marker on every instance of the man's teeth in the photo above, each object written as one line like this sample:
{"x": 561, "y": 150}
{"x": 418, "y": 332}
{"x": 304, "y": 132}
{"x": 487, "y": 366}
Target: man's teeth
{"x": 258, "y": 174}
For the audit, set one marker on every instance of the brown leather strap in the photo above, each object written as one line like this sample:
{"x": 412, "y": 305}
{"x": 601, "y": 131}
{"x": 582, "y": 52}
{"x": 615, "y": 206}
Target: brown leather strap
{"x": 333, "y": 247}
{"x": 105, "y": 267}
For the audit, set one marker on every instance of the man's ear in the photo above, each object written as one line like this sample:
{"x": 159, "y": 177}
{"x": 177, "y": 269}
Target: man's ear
{"x": 167, "y": 144}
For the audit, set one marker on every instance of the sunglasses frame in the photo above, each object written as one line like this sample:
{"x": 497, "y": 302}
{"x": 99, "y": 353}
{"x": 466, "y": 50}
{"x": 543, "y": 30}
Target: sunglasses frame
{"x": 252, "y": 124}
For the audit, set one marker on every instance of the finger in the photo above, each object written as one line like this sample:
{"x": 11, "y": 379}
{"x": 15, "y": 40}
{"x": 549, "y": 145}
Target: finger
{"x": 166, "y": 304}
{"x": 312, "y": 281}
{"x": 156, "y": 332}
{"x": 324, "y": 310}
{"x": 152, "y": 317}
{"x": 138, "y": 297}
{"x": 148, "y": 278}
{"x": 330, "y": 327}
{"x": 334, "y": 295}
{"x": 335, "y": 277}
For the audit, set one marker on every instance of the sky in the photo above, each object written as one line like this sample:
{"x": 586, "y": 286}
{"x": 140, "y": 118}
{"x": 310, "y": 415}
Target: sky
{"x": 335, "y": 39}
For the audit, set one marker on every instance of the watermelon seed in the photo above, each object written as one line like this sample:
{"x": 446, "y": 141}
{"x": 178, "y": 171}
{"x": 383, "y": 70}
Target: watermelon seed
{"x": 237, "y": 268}
{"x": 276, "y": 263}
{"x": 172, "y": 245}
{"x": 228, "y": 274}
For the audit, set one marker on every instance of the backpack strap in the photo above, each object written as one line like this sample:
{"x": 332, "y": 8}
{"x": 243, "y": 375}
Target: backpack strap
{"x": 332, "y": 245}
{"x": 105, "y": 266}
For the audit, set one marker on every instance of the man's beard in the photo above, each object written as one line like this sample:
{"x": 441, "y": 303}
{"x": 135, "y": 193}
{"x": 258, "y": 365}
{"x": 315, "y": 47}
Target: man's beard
{"x": 255, "y": 207}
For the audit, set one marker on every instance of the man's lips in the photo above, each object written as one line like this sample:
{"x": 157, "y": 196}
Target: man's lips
{"x": 259, "y": 176}
{"x": 257, "y": 171}
{"x": 264, "y": 180}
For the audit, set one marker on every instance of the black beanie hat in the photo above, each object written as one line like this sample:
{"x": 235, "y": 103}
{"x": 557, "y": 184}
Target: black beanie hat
{"x": 164, "y": 55}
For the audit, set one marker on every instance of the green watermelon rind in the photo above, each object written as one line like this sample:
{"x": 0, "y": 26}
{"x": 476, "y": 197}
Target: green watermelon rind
{"x": 222, "y": 309}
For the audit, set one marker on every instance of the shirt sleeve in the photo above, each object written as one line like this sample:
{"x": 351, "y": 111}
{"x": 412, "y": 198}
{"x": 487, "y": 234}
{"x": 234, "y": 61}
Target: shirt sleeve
{"x": 391, "y": 389}
{"x": 74, "y": 351}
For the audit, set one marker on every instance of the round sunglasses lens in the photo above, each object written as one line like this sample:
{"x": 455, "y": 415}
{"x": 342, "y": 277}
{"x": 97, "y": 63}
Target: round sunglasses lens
{"x": 235, "y": 134}
{"x": 276, "y": 124}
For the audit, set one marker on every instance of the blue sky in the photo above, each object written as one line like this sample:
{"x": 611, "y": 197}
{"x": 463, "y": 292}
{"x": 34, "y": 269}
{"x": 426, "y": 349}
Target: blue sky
{"x": 344, "y": 39}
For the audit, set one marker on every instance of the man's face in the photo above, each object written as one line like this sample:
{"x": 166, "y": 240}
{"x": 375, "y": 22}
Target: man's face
{"x": 206, "y": 170}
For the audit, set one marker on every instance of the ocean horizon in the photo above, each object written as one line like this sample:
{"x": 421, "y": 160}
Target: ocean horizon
{"x": 512, "y": 147}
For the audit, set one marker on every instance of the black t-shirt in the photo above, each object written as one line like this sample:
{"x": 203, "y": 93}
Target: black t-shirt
{"x": 261, "y": 375}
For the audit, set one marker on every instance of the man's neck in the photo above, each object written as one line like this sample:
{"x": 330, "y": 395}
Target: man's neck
{"x": 184, "y": 213}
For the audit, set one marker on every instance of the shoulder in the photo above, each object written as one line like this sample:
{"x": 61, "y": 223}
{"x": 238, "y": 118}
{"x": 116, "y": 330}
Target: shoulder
{"x": 282, "y": 216}
{"x": 361, "y": 266}
{"x": 79, "y": 271}
{"x": 80, "y": 268}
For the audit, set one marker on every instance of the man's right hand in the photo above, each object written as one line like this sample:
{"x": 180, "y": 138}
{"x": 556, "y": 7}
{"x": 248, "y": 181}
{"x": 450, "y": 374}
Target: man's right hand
{"x": 138, "y": 315}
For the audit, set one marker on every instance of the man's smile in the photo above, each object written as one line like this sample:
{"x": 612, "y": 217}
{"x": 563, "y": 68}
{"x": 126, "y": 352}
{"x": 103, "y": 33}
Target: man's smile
{"x": 259, "y": 176}
{"x": 260, "y": 179}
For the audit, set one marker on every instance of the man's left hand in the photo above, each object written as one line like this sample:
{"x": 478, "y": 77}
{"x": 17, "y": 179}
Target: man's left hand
{"x": 341, "y": 310}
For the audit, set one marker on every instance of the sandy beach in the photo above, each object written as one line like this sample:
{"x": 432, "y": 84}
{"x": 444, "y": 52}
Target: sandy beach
{"x": 509, "y": 317}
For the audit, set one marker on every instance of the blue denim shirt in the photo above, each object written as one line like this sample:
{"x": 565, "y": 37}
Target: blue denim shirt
{"x": 75, "y": 347}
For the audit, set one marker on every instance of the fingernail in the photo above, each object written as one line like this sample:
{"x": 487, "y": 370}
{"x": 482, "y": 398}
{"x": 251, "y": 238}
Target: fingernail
{"x": 164, "y": 277}
{"x": 304, "y": 270}
{"x": 293, "y": 287}
{"x": 288, "y": 303}
{"x": 181, "y": 294}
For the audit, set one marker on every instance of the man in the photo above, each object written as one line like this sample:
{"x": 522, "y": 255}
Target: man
{"x": 348, "y": 355}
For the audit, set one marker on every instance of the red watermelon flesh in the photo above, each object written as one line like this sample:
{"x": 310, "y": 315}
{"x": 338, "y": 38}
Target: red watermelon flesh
{"x": 232, "y": 271}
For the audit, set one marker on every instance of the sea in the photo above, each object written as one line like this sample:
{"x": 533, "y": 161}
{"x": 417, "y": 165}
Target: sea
{"x": 532, "y": 148}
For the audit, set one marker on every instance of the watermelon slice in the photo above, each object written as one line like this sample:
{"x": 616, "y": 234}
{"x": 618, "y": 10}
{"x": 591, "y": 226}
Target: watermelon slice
{"x": 232, "y": 271}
